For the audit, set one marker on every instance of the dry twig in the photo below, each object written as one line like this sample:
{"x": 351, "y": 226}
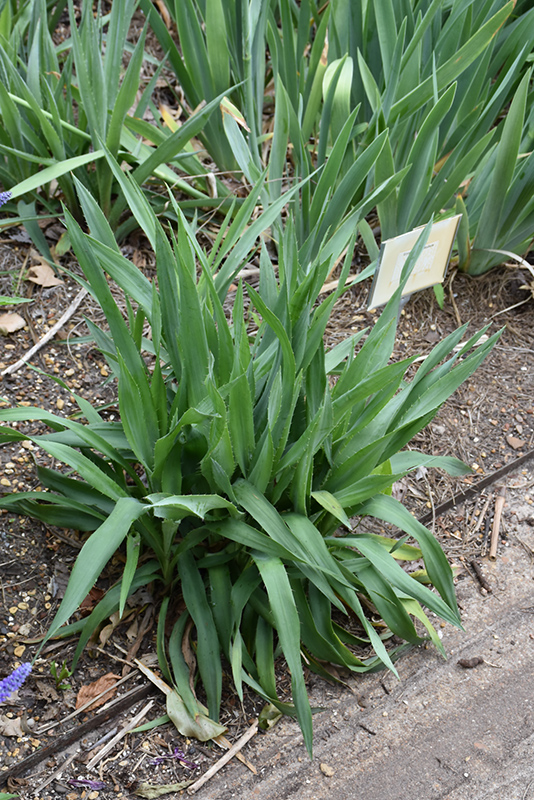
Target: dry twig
{"x": 57, "y": 772}
{"x": 225, "y": 759}
{"x": 132, "y": 723}
{"x": 475, "y": 566}
{"x": 481, "y": 516}
{"x": 499, "y": 505}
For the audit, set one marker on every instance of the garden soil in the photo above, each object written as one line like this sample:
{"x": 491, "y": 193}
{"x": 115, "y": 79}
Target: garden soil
{"x": 453, "y": 729}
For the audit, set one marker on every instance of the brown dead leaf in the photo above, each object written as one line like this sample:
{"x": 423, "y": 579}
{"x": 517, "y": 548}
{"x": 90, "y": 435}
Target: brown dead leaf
{"x": 133, "y": 630}
{"x": 15, "y": 785}
{"x": 43, "y": 275}
{"x": 91, "y": 600}
{"x": 9, "y": 323}
{"x": 189, "y": 655}
{"x": 470, "y": 663}
{"x": 139, "y": 259}
{"x": 46, "y": 691}
{"x": 91, "y": 690}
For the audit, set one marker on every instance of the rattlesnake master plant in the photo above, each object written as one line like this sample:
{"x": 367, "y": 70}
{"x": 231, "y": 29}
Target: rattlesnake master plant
{"x": 241, "y": 455}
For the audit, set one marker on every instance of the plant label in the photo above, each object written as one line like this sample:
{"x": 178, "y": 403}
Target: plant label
{"x": 429, "y": 269}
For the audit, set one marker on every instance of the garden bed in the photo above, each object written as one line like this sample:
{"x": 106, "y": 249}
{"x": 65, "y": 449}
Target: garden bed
{"x": 488, "y": 422}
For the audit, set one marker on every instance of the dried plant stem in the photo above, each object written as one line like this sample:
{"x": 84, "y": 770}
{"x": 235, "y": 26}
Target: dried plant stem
{"x": 481, "y": 516}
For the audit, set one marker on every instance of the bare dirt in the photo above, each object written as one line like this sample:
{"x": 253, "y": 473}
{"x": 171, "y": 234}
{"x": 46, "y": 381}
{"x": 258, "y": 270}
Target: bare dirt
{"x": 441, "y": 731}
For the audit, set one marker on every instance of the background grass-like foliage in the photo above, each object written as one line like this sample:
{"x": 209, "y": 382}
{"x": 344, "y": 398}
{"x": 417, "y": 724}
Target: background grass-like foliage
{"x": 428, "y": 83}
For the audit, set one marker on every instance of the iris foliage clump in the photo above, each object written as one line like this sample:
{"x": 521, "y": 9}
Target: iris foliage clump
{"x": 240, "y": 453}
{"x": 246, "y": 451}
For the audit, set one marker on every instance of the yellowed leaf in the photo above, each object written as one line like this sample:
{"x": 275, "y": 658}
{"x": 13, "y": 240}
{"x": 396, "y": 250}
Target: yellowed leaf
{"x": 169, "y": 116}
{"x": 43, "y": 275}
{"x": 228, "y": 108}
{"x": 9, "y": 323}
{"x": 164, "y": 11}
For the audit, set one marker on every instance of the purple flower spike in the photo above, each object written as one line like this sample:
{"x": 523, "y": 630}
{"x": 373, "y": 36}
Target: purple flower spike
{"x": 4, "y": 197}
{"x": 14, "y": 681}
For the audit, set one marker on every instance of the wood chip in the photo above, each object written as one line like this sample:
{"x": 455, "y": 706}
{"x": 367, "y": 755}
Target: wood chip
{"x": 515, "y": 443}
{"x": 470, "y": 663}
{"x": 326, "y": 770}
{"x": 9, "y": 323}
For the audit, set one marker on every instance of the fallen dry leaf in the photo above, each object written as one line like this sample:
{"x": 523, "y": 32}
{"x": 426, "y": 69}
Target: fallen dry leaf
{"x": 133, "y": 630}
{"x": 43, "y": 275}
{"x": 9, "y": 323}
{"x": 151, "y": 791}
{"x": 91, "y": 690}
{"x": 107, "y": 630}
{"x": 47, "y": 691}
{"x": 515, "y": 443}
{"x": 11, "y": 727}
{"x": 470, "y": 663}
{"x": 90, "y": 601}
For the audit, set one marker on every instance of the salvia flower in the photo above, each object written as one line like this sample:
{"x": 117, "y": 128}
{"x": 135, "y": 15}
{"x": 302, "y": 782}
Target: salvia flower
{"x": 75, "y": 782}
{"x": 4, "y": 197}
{"x": 14, "y": 681}
{"x": 179, "y": 755}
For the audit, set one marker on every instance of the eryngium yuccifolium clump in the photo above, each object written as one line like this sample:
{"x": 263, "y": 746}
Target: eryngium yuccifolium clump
{"x": 14, "y": 681}
{"x": 4, "y": 197}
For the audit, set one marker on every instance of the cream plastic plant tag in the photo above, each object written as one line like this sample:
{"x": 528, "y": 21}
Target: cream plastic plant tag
{"x": 429, "y": 269}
